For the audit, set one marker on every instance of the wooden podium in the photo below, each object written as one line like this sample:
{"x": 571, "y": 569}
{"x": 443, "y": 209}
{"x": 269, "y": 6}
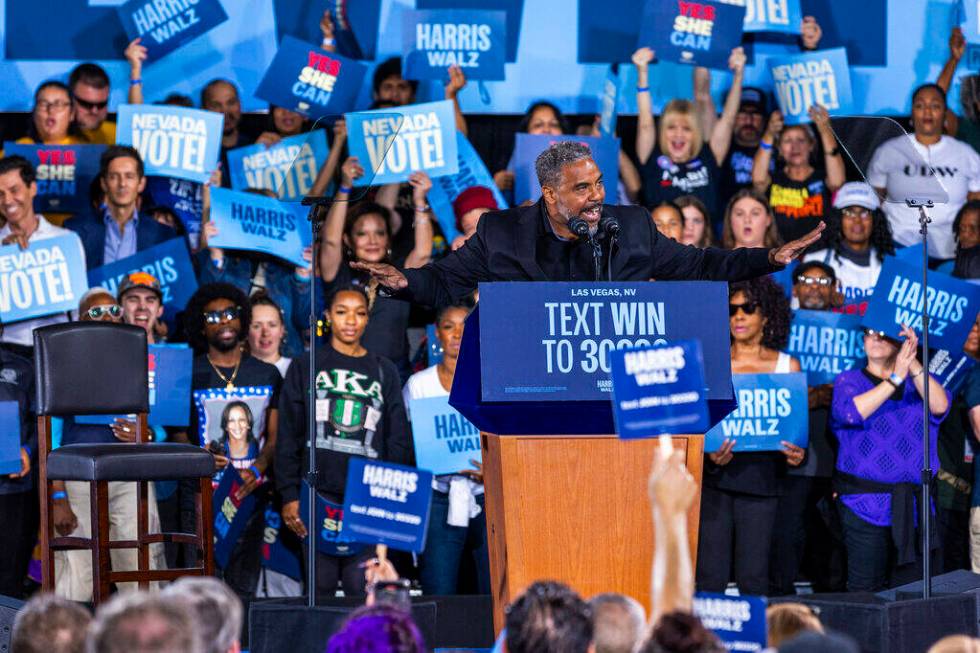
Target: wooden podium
{"x": 574, "y": 509}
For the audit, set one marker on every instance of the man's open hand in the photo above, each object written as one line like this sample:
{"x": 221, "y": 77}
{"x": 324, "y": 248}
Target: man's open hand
{"x": 386, "y": 275}
{"x": 794, "y": 249}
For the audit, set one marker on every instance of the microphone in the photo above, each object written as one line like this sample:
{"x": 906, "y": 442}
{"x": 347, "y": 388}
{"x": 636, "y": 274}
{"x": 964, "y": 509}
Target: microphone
{"x": 578, "y": 226}
{"x": 610, "y": 226}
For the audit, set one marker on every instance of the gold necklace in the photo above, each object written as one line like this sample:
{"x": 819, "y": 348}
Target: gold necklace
{"x": 229, "y": 381}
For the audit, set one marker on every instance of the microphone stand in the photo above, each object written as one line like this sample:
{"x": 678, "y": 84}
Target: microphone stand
{"x": 318, "y": 207}
{"x": 925, "y": 504}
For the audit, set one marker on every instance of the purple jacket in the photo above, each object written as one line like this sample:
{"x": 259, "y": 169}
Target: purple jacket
{"x": 886, "y": 447}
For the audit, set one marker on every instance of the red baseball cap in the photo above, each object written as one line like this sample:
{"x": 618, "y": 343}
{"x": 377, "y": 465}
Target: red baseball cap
{"x": 474, "y": 197}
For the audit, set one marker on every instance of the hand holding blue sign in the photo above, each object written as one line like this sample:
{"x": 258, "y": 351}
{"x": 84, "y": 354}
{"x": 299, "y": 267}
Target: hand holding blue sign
{"x": 811, "y": 78}
{"x": 772, "y": 415}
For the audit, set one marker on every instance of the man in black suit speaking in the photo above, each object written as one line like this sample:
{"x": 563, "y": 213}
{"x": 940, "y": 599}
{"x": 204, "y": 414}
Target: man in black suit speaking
{"x": 570, "y": 235}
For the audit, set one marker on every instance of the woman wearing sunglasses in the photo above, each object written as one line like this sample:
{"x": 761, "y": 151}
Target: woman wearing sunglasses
{"x": 741, "y": 490}
{"x": 876, "y": 415}
{"x": 359, "y": 413}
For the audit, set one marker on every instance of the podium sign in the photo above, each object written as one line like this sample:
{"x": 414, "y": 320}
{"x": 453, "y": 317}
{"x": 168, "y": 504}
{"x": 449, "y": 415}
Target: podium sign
{"x": 536, "y": 356}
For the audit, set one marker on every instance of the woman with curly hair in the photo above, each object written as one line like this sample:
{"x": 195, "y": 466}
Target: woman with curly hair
{"x": 741, "y": 491}
{"x": 858, "y": 239}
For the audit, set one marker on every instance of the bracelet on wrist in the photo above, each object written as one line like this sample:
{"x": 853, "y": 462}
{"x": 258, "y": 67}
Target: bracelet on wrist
{"x": 135, "y": 82}
{"x": 765, "y": 146}
{"x": 60, "y": 495}
{"x": 255, "y": 471}
{"x": 345, "y": 189}
{"x": 642, "y": 89}
{"x": 327, "y": 42}
{"x": 423, "y": 209}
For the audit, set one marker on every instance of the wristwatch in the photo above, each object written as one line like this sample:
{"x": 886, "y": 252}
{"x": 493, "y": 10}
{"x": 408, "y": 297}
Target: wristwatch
{"x": 896, "y": 380}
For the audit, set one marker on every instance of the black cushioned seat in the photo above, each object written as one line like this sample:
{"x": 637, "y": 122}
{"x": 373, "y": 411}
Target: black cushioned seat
{"x": 126, "y": 461}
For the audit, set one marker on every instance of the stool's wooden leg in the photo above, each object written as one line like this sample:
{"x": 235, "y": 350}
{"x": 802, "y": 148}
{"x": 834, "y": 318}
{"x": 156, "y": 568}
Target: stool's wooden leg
{"x": 205, "y": 525}
{"x": 101, "y": 560}
{"x": 142, "y": 526}
{"x": 47, "y": 525}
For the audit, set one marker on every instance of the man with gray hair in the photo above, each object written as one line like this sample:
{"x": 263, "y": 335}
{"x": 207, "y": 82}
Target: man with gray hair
{"x": 618, "y": 622}
{"x": 218, "y": 611}
{"x": 50, "y": 624}
{"x": 570, "y": 234}
{"x": 141, "y": 622}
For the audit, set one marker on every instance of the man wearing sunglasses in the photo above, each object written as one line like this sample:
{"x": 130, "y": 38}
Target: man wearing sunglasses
{"x": 89, "y": 85}
{"x": 118, "y": 231}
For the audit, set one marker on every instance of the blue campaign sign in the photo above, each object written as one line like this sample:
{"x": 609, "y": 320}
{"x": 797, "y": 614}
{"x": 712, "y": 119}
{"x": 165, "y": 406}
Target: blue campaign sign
{"x": 445, "y": 441}
{"x": 64, "y": 174}
{"x": 659, "y": 390}
{"x": 169, "y": 262}
{"x": 445, "y": 189}
{"x": 433, "y": 40}
{"x": 513, "y": 10}
{"x": 527, "y": 147}
{"x": 608, "y": 101}
{"x": 10, "y": 425}
{"x": 771, "y": 408}
{"x": 182, "y": 197}
{"x": 738, "y": 621}
{"x": 802, "y": 80}
{"x": 311, "y": 81}
{"x": 165, "y": 26}
{"x": 898, "y": 299}
{"x": 702, "y": 33}
{"x": 825, "y": 343}
{"x": 950, "y": 368}
{"x": 385, "y": 503}
{"x": 259, "y": 224}
{"x": 287, "y": 168}
{"x": 230, "y": 514}
{"x": 560, "y": 348}
{"x": 173, "y": 141}
{"x": 331, "y": 538}
{"x": 783, "y": 16}
{"x": 394, "y": 143}
{"x": 170, "y": 368}
{"x": 48, "y": 277}
{"x": 274, "y": 554}
{"x": 911, "y": 254}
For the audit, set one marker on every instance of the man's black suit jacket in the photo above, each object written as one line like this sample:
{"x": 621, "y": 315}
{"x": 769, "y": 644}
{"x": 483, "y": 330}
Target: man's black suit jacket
{"x": 503, "y": 249}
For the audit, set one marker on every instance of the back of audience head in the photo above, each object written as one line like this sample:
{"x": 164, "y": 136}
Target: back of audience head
{"x": 217, "y": 608}
{"x": 813, "y": 642}
{"x": 749, "y": 222}
{"x": 549, "y": 617}
{"x": 956, "y": 644}
{"x": 543, "y": 118}
{"x": 785, "y": 621}
{"x": 140, "y": 622}
{"x": 668, "y": 219}
{"x": 50, "y": 624}
{"x": 697, "y": 222}
{"x": 681, "y": 632}
{"x": 388, "y": 85}
{"x": 617, "y": 623}
{"x": 378, "y": 629}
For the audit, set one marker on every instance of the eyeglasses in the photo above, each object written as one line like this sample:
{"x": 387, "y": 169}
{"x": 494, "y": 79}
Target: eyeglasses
{"x": 96, "y": 312}
{"x": 224, "y": 315}
{"x": 871, "y": 333}
{"x": 749, "y": 308}
{"x": 48, "y": 107}
{"x": 91, "y": 106}
{"x": 809, "y": 281}
{"x": 856, "y": 212}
